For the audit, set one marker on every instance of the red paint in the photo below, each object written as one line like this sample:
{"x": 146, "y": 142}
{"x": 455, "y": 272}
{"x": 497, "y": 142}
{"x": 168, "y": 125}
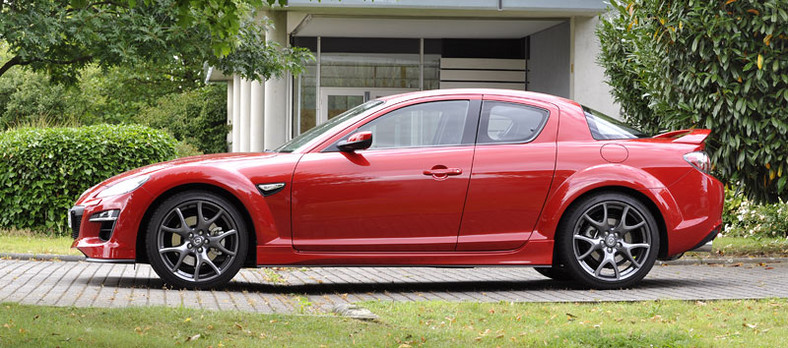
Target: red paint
{"x": 490, "y": 204}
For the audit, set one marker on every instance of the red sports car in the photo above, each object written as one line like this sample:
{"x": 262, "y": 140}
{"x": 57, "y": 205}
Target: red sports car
{"x": 436, "y": 178}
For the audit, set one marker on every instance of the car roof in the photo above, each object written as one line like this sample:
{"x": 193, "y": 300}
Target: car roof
{"x": 480, "y": 91}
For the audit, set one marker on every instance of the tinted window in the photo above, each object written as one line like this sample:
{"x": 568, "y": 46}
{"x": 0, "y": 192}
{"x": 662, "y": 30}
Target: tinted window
{"x": 604, "y": 127}
{"x": 428, "y": 124}
{"x": 504, "y": 122}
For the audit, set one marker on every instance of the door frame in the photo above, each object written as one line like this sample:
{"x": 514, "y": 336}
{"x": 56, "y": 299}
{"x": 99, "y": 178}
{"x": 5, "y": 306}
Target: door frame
{"x": 368, "y": 93}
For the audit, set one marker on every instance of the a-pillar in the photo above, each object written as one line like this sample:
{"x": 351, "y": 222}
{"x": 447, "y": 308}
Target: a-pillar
{"x": 276, "y": 88}
{"x": 257, "y": 119}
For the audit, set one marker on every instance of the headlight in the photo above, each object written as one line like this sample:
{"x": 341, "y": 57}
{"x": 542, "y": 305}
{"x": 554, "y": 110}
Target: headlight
{"x": 124, "y": 186}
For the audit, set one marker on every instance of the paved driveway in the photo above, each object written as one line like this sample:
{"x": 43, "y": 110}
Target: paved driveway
{"x": 317, "y": 290}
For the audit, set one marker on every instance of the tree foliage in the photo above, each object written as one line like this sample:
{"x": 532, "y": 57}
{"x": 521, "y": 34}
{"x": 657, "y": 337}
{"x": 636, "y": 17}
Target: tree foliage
{"x": 710, "y": 64}
{"x": 61, "y": 37}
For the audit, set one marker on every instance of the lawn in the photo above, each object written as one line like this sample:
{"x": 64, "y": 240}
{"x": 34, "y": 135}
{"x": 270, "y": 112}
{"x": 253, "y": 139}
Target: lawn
{"x": 431, "y": 324}
{"x": 27, "y": 242}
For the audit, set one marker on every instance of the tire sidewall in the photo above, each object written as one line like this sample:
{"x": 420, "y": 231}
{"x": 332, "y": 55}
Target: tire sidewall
{"x": 151, "y": 240}
{"x": 565, "y": 241}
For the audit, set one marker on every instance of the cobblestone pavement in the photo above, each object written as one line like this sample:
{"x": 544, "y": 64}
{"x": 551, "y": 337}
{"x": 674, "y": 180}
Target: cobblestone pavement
{"x": 317, "y": 290}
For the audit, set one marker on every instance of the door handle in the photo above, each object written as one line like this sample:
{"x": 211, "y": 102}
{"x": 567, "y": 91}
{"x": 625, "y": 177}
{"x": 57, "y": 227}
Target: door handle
{"x": 443, "y": 172}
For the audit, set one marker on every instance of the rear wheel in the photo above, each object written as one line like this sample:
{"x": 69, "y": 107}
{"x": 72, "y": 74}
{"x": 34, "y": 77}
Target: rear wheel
{"x": 196, "y": 239}
{"x": 608, "y": 241}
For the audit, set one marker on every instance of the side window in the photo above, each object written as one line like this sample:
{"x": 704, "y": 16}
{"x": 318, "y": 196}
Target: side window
{"x": 504, "y": 122}
{"x": 428, "y": 124}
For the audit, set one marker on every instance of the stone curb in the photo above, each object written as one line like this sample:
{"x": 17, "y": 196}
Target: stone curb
{"x": 684, "y": 261}
{"x": 42, "y": 257}
{"x": 723, "y": 261}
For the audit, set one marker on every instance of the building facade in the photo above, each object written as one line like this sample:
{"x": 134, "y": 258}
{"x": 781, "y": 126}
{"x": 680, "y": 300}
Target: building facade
{"x": 366, "y": 49}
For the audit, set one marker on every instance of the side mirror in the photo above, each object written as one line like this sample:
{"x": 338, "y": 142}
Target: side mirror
{"x": 357, "y": 141}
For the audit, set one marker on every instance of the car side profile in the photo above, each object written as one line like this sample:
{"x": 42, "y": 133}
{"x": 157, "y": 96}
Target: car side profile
{"x": 467, "y": 177}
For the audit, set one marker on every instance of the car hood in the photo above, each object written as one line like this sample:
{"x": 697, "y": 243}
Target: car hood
{"x": 222, "y": 160}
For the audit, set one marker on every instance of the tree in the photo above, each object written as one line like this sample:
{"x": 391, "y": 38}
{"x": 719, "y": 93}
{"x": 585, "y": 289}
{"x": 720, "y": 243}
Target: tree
{"x": 60, "y": 37}
{"x": 712, "y": 64}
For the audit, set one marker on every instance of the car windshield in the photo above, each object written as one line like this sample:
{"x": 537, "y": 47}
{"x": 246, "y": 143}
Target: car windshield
{"x": 604, "y": 127}
{"x": 321, "y": 129}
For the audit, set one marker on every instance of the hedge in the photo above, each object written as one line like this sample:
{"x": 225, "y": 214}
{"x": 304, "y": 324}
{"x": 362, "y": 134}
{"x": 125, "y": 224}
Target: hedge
{"x": 44, "y": 170}
{"x": 708, "y": 64}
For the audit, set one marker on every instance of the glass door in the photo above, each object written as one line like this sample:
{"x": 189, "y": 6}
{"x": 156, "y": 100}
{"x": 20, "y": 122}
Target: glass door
{"x": 336, "y": 100}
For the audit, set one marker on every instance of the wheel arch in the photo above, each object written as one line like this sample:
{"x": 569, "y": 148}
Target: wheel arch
{"x": 636, "y": 194}
{"x": 251, "y": 255}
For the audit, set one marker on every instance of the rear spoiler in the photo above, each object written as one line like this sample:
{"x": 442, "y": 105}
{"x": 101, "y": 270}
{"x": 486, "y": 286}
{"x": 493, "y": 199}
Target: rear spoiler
{"x": 686, "y": 136}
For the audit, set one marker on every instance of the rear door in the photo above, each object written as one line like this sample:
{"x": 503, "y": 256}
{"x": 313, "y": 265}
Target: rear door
{"x": 512, "y": 172}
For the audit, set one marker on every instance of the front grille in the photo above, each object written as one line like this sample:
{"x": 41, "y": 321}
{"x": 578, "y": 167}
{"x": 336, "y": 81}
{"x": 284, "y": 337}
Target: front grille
{"x": 75, "y": 219}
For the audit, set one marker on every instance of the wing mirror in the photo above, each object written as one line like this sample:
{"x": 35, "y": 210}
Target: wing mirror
{"x": 357, "y": 141}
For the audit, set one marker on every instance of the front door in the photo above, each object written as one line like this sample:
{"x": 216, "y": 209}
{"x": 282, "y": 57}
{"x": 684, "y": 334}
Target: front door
{"x": 405, "y": 193}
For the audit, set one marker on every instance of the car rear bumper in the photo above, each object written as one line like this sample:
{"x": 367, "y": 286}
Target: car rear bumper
{"x": 699, "y": 198}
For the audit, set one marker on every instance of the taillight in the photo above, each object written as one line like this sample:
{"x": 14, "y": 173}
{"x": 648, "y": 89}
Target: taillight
{"x": 700, "y": 160}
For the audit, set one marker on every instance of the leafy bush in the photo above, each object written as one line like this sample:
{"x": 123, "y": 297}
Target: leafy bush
{"x": 751, "y": 220}
{"x": 713, "y": 64}
{"x": 43, "y": 171}
{"x": 197, "y": 117}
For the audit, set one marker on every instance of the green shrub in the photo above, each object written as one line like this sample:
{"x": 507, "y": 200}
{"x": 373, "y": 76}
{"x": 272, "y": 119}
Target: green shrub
{"x": 44, "y": 170}
{"x": 197, "y": 117}
{"x": 708, "y": 64}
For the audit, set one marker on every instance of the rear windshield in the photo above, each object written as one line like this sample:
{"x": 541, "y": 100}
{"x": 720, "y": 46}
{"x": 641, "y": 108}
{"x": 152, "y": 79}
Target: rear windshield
{"x": 604, "y": 127}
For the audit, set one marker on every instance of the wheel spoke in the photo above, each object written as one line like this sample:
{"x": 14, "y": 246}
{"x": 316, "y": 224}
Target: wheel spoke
{"x": 597, "y": 224}
{"x": 213, "y": 219}
{"x": 593, "y": 248}
{"x": 587, "y": 239}
{"x": 210, "y": 263}
{"x": 633, "y": 227}
{"x": 604, "y": 217}
{"x": 184, "y": 225}
{"x": 622, "y": 223}
{"x": 200, "y": 216}
{"x": 197, "y": 264}
{"x": 183, "y": 232}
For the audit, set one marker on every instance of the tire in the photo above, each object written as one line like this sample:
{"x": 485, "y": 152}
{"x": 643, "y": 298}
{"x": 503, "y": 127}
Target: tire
{"x": 554, "y": 273}
{"x": 188, "y": 254}
{"x": 608, "y": 241}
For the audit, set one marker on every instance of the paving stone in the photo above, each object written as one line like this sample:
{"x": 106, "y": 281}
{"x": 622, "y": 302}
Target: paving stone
{"x": 318, "y": 290}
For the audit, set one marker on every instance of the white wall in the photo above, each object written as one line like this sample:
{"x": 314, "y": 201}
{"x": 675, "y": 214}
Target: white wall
{"x": 548, "y": 66}
{"x": 590, "y": 88}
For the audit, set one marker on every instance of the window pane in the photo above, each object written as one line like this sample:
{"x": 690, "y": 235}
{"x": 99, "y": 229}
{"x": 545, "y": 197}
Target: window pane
{"x": 510, "y": 123}
{"x": 428, "y": 124}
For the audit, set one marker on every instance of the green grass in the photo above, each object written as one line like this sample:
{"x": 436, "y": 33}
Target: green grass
{"x": 431, "y": 324}
{"x": 27, "y": 242}
{"x": 737, "y": 246}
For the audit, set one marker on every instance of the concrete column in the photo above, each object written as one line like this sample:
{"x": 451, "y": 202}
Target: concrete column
{"x": 236, "y": 114}
{"x": 276, "y": 88}
{"x": 230, "y": 100}
{"x": 257, "y": 119}
{"x": 246, "y": 89}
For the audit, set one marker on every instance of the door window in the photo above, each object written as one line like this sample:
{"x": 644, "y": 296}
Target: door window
{"x": 442, "y": 123}
{"x": 504, "y": 122}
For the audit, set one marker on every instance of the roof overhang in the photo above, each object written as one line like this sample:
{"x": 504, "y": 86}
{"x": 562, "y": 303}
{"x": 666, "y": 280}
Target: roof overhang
{"x": 428, "y": 28}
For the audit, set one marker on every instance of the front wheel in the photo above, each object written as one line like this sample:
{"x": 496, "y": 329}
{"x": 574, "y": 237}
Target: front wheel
{"x": 196, "y": 239}
{"x": 608, "y": 241}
